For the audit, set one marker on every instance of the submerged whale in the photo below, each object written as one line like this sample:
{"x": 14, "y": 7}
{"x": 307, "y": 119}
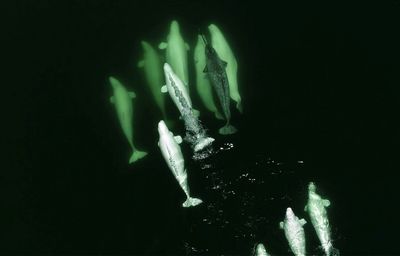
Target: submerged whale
{"x": 176, "y": 52}
{"x": 122, "y": 100}
{"x": 225, "y": 52}
{"x": 152, "y": 67}
{"x": 215, "y": 68}
{"x": 203, "y": 85}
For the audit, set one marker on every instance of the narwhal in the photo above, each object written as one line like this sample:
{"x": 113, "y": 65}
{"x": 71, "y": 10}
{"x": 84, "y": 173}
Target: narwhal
{"x": 215, "y": 68}
{"x": 225, "y": 52}
{"x": 122, "y": 100}
{"x": 203, "y": 85}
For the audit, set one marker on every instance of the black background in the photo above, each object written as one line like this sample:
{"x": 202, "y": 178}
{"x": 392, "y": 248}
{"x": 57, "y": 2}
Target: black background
{"x": 319, "y": 84}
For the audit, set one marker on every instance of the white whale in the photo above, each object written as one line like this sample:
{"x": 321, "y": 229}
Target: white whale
{"x": 260, "y": 250}
{"x": 294, "y": 232}
{"x": 122, "y": 100}
{"x": 316, "y": 208}
{"x": 177, "y": 90}
{"x": 171, "y": 151}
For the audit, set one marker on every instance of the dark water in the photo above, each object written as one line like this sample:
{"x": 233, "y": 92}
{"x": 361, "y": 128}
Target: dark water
{"x": 319, "y": 86}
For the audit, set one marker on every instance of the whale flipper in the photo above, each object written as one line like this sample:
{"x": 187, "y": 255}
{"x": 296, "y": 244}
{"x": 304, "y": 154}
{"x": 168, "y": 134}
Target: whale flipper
{"x": 137, "y": 154}
{"x": 227, "y": 129}
{"x": 164, "y": 89}
{"x": 162, "y": 46}
{"x": 191, "y": 201}
{"x": 178, "y": 139}
{"x": 195, "y": 112}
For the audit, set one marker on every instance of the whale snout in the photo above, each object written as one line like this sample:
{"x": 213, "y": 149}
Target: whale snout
{"x": 289, "y": 212}
{"x": 167, "y": 68}
{"x": 174, "y": 26}
{"x": 311, "y": 187}
{"x": 145, "y": 45}
{"x": 162, "y": 127}
{"x": 212, "y": 28}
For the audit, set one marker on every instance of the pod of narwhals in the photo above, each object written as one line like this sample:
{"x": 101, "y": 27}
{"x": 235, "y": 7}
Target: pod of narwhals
{"x": 216, "y": 73}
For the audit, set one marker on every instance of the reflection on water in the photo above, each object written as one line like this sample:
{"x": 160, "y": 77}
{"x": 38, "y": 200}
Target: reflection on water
{"x": 238, "y": 202}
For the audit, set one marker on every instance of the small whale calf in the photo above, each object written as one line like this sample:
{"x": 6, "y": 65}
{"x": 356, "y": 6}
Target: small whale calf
{"x": 294, "y": 232}
{"x": 316, "y": 208}
{"x": 122, "y": 100}
{"x": 171, "y": 151}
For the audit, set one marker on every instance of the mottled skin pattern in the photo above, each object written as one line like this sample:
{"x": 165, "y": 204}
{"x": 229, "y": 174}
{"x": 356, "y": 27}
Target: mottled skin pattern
{"x": 224, "y": 51}
{"x": 203, "y": 85}
{"x": 183, "y": 102}
{"x": 195, "y": 133}
{"x": 294, "y": 233}
{"x": 219, "y": 80}
{"x": 316, "y": 208}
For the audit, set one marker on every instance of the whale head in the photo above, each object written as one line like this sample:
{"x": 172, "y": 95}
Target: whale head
{"x": 174, "y": 28}
{"x": 167, "y": 68}
{"x": 311, "y": 187}
{"x": 289, "y": 213}
{"x": 162, "y": 128}
{"x": 260, "y": 249}
{"x": 213, "y": 29}
{"x": 145, "y": 45}
{"x": 114, "y": 82}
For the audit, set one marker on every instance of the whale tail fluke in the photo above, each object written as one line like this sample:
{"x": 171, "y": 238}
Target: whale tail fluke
{"x": 137, "y": 154}
{"x": 227, "y": 129}
{"x": 202, "y": 143}
{"x": 191, "y": 201}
